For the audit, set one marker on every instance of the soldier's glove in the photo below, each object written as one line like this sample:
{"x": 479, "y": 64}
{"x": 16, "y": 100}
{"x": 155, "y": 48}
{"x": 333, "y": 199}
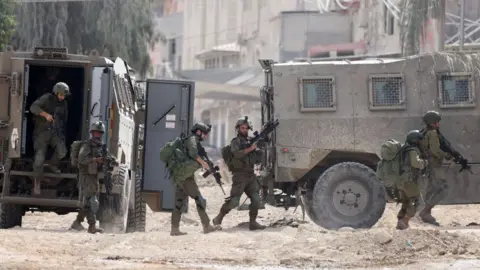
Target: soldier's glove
{"x": 99, "y": 160}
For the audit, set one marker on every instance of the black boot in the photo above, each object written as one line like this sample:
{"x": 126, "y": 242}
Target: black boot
{"x": 254, "y": 225}
{"x": 92, "y": 228}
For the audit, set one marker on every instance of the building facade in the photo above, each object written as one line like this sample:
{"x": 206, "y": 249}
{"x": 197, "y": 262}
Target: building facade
{"x": 166, "y": 55}
{"x": 377, "y": 24}
{"x": 232, "y": 33}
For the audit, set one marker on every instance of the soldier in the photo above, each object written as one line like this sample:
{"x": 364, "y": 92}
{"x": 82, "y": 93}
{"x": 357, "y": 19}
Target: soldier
{"x": 90, "y": 161}
{"x": 243, "y": 176}
{"x": 49, "y": 131}
{"x": 408, "y": 188}
{"x": 188, "y": 187}
{"x": 437, "y": 184}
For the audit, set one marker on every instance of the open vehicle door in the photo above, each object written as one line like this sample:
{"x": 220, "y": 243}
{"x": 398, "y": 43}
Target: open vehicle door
{"x": 101, "y": 97}
{"x": 169, "y": 112}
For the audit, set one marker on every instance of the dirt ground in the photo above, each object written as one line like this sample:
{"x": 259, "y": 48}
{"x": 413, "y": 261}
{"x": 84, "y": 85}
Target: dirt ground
{"x": 44, "y": 242}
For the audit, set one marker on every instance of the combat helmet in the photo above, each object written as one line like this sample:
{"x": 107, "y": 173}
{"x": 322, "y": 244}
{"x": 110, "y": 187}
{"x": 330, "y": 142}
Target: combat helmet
{"x": 98, "y": 126}
{"x": 202, "y": 127}
{"x": 61, "y": 88}
{"x": 432, "y": 117}
{"x": 414, "y": 136}
{"x": 243, "y": 121}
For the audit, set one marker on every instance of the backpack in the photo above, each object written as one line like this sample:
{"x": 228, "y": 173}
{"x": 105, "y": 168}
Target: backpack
{"x": 388, "y": 168}
{"x": 173, "y": 152}
{"x": 74, "y": 151}
{"x": 227, "y": 156}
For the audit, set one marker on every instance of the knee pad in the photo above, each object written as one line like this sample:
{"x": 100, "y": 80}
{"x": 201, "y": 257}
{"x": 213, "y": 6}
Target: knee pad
{"x": 201, "y": 202}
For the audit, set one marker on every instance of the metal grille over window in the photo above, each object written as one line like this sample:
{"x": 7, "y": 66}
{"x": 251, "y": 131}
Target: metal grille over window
{"x": 386, "y": 92}
{"x": 456, "y": 90}
{"x": 318, "y": 94}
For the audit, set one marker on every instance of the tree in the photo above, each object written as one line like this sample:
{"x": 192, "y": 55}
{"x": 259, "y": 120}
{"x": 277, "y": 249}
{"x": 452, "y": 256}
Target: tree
{"x": 7, "y": 21}
{"x": 415, "y": 15}
{"x": 125, "y": 27}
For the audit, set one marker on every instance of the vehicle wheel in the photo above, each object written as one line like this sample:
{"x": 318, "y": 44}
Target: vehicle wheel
{"x": 309, "y": 209}
{"x": 348, "y": 194}
{"x": 137, "y": 214}
{"x": 10, "y": 215}
{"x": 113, "y": 210}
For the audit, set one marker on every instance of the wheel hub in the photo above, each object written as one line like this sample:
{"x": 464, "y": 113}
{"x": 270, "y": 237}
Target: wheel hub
{"x": 350, "y": 198}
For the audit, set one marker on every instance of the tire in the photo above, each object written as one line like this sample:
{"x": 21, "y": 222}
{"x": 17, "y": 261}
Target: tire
{"x": 10, "y": 215}
{"x": 137, "y": 215}
{"x": 309, "y": 209}
{"x": 347, "y": 194}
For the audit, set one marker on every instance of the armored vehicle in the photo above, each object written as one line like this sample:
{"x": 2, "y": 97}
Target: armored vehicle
{"x": 334, "y": 115}
{"x": 100, "y": 89}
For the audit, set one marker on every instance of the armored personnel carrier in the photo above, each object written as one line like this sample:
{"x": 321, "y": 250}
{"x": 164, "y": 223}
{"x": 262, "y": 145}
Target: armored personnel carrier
{"x": 334, "y": 115}
{"x": 100, "y": 89}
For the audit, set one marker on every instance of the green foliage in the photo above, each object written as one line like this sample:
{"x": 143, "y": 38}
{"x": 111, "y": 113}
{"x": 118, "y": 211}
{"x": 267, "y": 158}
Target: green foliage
{"x": 7, "y": 21}
{"x": 415, "y": 15}
{"x": 124, "y": 27}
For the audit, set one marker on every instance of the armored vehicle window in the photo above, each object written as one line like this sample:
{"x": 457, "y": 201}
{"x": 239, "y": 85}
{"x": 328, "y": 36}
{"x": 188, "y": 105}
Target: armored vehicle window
{"x": 386, "y": 91}
{"x": 317, "y": 94}
{"x": 456, "y": 90}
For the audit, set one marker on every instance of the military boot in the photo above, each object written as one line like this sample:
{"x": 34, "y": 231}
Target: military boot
{"x": 402, "y": 223}
{"x": 426, "y": 216}
{"x": 254, "y": 225}
{"x": 175, "y": 220}
{"x": 219, "y": 218}
{"x": 208, "y": 228}
{"x": 92, "y": 228}
{"x": 175, "y": 231}
{"x": 77, "y": 225}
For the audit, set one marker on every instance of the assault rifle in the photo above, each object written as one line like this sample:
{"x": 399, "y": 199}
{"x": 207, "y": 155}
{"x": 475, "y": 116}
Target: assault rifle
{"x": 446, "y": 146}
{"x": 108, "y": 163}
{"x": 268, "y": 128}
{"x": 213, "y": 169}
{"x": 58, "y": 124}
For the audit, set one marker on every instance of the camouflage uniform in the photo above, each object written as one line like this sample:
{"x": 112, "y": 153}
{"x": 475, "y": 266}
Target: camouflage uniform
{"x": 88, "y": 184}
{"x": 189, "y": 188}
{"x": 49, "y": 133}
{"x": 409, "y": 191}
{"x": 243, "y": 179}
{"x": 437, "y": 184}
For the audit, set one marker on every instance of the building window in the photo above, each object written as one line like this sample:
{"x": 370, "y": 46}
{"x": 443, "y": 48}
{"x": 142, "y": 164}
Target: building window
{"x": 317, "y": 94}
{"x": 388, "y": 21}
{"x": 386, "y": 92}
{"x": 456, "y": 90}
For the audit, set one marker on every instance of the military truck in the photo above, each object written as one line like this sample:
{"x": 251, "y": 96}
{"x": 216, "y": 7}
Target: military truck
{"x": 334, "y": 115}
{"x": 100, "y": 90}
